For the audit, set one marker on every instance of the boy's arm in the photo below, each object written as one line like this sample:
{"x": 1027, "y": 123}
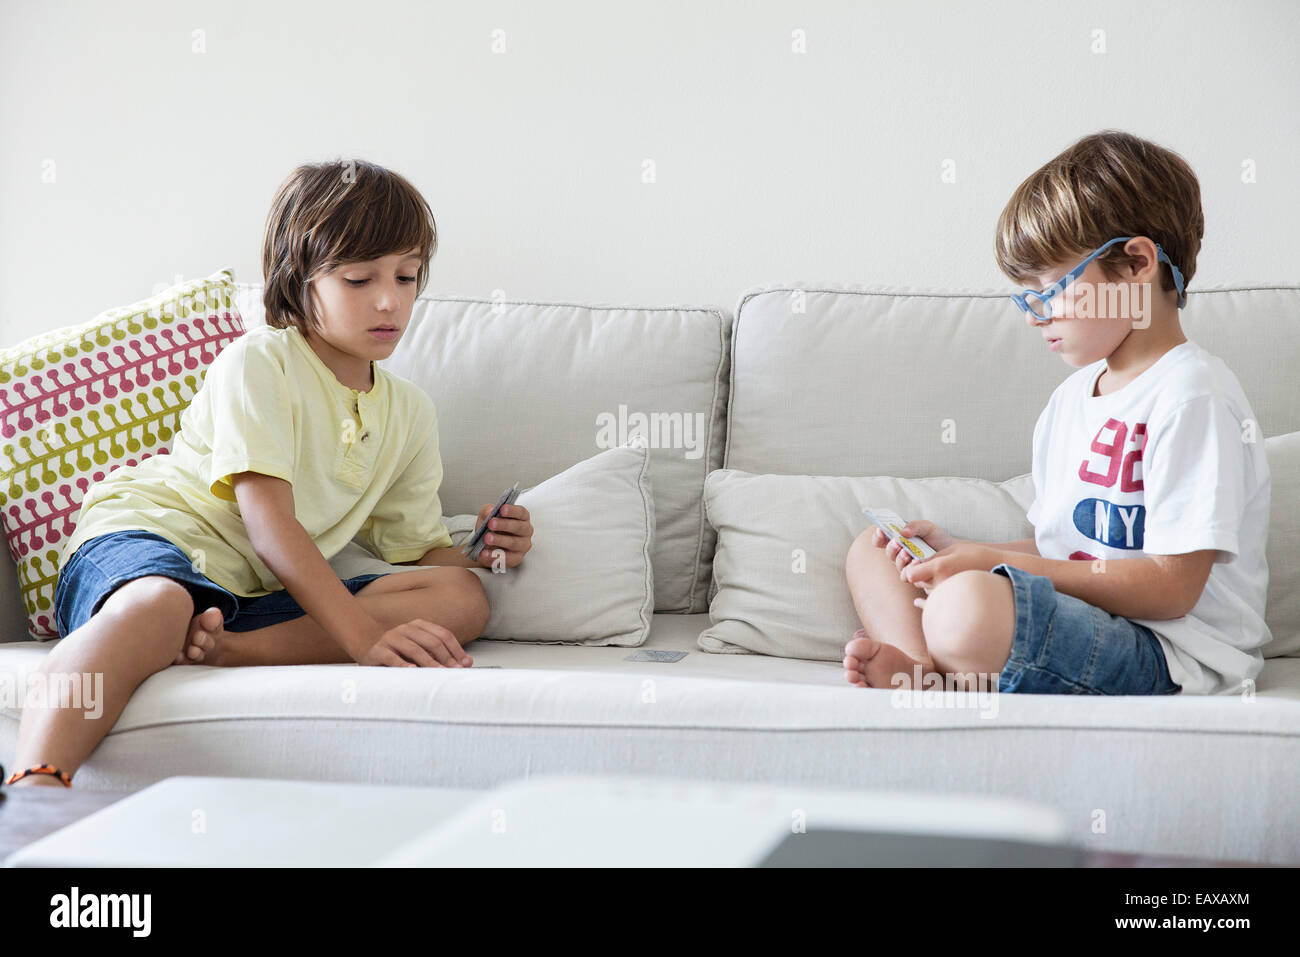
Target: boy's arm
{"x": 1027, "y": 546}
{"x": 1155, "y": 587}
{"x": 278, "y": 538}
{"x": 1194, "y": 468}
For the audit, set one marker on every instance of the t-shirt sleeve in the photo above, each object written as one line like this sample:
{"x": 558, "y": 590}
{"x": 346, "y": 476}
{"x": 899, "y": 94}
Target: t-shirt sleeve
{"x": 1194, "y": 480}
{"x": 407, "y": 521}
{"x": 249, "y": 412}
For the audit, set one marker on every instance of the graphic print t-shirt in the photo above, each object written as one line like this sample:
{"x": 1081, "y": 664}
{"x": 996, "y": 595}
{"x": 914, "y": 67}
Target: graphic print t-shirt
{"x": 1171, "y": 463}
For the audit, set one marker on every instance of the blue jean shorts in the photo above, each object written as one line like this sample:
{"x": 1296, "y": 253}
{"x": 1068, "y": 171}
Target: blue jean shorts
{"x": 106, "y": 562}
{"x": 1063, "y": 645}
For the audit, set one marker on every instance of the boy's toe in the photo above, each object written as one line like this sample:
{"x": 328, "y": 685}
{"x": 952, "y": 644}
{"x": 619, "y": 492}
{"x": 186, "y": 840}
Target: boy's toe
{"x": 859, "y": 647}
{"x": 202, "y": 639}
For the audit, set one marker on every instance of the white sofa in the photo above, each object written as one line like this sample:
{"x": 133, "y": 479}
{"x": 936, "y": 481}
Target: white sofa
{"x": 798, "y": 380}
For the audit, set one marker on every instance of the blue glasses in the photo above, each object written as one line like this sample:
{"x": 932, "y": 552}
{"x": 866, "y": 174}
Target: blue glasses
{"x": 1039, "y": 304}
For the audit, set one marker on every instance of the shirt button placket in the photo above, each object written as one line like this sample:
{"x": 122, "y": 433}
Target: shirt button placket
{"x": 356, "y": 407}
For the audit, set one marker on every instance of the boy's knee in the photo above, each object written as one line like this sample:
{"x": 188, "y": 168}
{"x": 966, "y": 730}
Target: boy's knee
{"x": 154, "y": 608}
{"x": 153, "y": 598}
{"x": 955, "y": 613}
{"x": 469, "y": 594}
{"x": 952, "y": 610}
{"x": 861, "y": 549}
{"x": 463, "y": 580}
{"x": 476, "y": 594}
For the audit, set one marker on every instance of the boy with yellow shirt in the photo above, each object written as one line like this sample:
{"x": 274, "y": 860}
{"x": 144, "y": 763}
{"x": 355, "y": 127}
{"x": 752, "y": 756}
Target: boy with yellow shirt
{"x": 217, "y": 553}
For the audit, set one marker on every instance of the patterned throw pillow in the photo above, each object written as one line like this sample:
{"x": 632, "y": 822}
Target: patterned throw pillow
{"x": 77, "y": 403}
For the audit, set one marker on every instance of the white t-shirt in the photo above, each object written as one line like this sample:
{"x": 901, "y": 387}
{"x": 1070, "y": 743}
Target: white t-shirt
{"x": 1171, "y": 463}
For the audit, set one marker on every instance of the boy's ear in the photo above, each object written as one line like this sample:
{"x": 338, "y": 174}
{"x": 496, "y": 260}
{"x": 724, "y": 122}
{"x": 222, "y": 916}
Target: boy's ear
{"x": 1144, "y": 252}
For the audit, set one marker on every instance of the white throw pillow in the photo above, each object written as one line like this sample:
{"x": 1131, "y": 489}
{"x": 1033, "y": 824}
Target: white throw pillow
{"x": 1283, "y": 611}
{"x": 778, "y": 575}
{"x": 587, "y": 579}
{"x": 779, "y": 585}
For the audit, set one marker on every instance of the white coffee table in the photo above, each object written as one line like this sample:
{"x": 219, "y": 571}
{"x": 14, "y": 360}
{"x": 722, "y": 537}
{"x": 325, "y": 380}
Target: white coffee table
{"x": 653, "y": 822}
{"x": 246, "y": 822}
{"x": 584, "y": 821}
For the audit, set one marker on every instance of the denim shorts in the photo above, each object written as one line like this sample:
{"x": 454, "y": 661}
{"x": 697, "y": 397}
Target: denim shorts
{"x": 106, "y": 562}
{"x": 1063, "y": 645}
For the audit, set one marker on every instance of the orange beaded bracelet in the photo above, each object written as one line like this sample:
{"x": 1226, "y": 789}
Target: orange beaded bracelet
{"x": 40, "y": 769}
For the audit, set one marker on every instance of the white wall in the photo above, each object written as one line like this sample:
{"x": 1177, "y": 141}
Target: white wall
{"x": 770, "y": 165}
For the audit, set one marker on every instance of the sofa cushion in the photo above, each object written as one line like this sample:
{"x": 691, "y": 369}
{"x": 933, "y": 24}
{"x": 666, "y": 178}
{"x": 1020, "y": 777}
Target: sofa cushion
{"x": 779, "y": 585}
{"x": 587, "y": 578}
{"x": 854, "y": 380}
{"x": 524, "y": 390}
{"x": 1283, "y": 553}
{"x": 79, "y": 402}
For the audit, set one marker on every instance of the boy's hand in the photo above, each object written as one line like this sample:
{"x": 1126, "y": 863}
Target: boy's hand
{"x": 927, "y": 575}
{"x": 932, "y": 534}
{"x": 415, "y": 644}
{"x": 510, "y": 533}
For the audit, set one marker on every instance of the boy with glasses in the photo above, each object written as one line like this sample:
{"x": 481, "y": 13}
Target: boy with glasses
{"x": 1146, "y": 573}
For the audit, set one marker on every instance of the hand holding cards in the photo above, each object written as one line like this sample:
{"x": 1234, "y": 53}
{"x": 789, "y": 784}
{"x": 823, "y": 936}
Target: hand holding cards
{"x": 892, "y": 525}
{"x": 474, "y": 546}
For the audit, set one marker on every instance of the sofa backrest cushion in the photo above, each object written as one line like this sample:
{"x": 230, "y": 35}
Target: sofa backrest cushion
{"x": 853, "y": 380}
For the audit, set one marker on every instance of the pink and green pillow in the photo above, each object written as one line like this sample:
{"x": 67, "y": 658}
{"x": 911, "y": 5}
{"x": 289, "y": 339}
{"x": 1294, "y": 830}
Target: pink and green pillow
{"x": 78, "y": 403}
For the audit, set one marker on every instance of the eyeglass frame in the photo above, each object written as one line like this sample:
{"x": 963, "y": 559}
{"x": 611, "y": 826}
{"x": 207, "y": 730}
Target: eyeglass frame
{"x": 1020, "y": 299}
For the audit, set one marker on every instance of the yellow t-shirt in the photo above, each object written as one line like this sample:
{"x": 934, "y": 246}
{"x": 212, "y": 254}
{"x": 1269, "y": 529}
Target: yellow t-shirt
{"x": 362, "y": 464}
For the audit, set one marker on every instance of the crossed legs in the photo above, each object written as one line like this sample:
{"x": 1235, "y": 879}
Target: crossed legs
{"x": 449, "y": 596}
{"x": 964, "y": 631}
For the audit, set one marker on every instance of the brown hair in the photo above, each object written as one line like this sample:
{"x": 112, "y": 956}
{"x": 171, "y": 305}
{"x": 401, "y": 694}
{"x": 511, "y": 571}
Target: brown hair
{"x": 327, "y": 214}
{"x": 1106, "y": 185}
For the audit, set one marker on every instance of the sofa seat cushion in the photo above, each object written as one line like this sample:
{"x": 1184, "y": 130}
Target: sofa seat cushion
{"x": 578, "y": 709}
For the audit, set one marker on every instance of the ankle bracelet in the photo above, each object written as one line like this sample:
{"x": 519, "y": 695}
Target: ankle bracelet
{"x": 40, "y": 769}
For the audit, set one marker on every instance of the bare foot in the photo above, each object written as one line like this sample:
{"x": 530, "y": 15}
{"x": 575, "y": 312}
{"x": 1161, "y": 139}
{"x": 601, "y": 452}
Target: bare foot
{"x": 869, "y": 663}
{"x": 203, "y": 643}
